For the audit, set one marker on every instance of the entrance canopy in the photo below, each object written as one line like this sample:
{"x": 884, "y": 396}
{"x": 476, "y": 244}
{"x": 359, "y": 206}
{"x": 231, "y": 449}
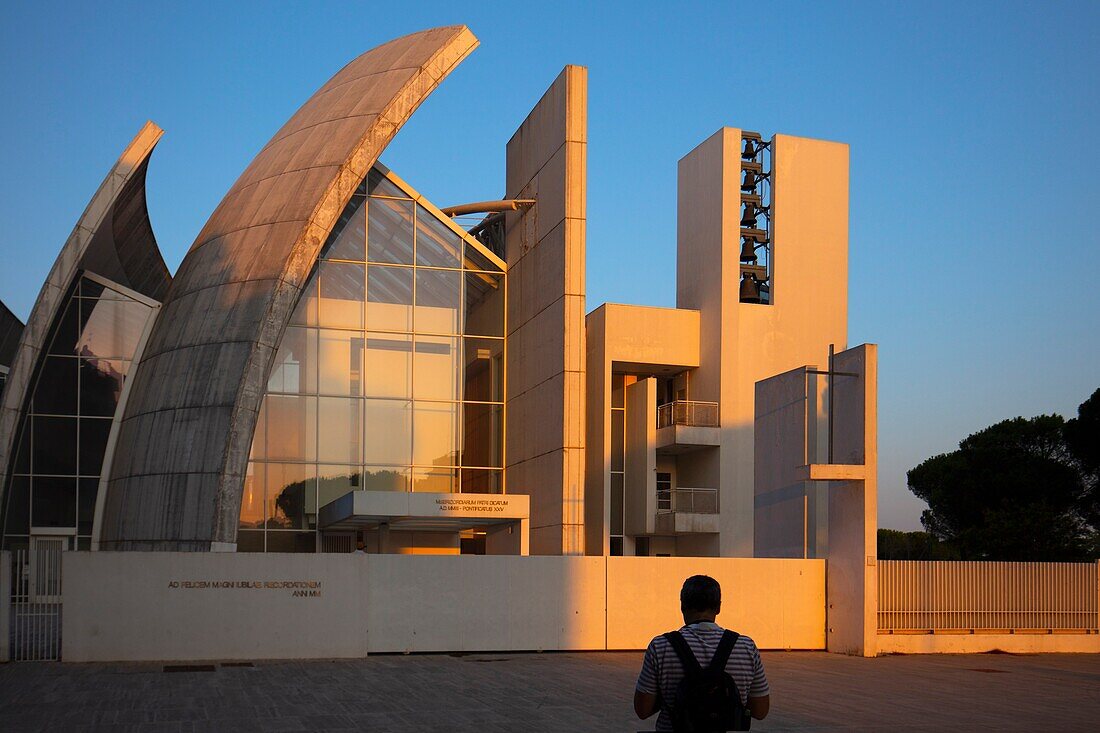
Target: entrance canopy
{"x": 500, "y": 514}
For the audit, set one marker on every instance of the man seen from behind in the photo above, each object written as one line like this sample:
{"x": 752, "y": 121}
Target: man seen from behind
{"x": 682, "y": 675}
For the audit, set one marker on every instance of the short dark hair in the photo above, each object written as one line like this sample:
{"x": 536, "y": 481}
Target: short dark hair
{"x": 700, "y": 593}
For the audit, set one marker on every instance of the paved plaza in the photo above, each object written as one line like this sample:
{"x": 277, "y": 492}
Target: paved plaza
{"x": 544, "y": 692}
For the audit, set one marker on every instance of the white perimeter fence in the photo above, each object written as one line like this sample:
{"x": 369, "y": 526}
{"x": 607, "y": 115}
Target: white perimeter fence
{"x": 986, "y": 596}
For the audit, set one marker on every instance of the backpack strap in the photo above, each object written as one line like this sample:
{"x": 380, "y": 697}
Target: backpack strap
{"x": 683, "y": 651}
{"x": 722, "y": 653}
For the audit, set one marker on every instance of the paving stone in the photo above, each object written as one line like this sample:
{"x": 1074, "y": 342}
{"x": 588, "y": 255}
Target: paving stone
{"x": 582, "y": 692}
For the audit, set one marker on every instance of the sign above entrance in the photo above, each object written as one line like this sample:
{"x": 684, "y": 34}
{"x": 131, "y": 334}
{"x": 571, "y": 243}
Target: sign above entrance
{"x": 359, "y": 509}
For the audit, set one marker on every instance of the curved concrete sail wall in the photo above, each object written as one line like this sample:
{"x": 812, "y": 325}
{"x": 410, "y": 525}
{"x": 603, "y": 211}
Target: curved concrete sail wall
{"x": 178, "y": 471}
{"x": 11, "y": 328}
{"x": 112, "y": 238}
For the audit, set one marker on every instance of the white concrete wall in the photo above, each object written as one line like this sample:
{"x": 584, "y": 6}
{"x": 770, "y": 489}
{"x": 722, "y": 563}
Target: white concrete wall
{"x": 779, "y": 603}
{"x": 122, "y": 606}
{"x": 136, "y": 606}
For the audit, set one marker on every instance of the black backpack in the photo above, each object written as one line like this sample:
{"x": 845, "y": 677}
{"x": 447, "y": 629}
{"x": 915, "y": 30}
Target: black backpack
{"x": 707, "y": 700}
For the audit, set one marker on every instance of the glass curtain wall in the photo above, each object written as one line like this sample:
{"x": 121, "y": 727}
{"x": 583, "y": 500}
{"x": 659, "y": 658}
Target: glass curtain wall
{"x": 63, "y": 435}
{"x": 390, "y": 376}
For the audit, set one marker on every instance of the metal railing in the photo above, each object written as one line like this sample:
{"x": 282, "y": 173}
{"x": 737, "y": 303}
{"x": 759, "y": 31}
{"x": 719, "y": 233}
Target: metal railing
{"x": 695, "y": 501}
{"x": 916, "y": 595}
{"x": 35, "y": 631}
{"x": 685, "y": 412}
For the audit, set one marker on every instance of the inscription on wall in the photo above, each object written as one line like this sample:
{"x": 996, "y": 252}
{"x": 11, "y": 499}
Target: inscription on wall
{"x": 297, "y": 588}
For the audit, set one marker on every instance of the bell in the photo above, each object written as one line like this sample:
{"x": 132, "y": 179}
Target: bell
{"x": 748, "y": 219}
{"x": 749, "y": 184}
{"x": 750, "y": 289}
{"x": 750, "y": 150}
{"x": 748, "y": 250}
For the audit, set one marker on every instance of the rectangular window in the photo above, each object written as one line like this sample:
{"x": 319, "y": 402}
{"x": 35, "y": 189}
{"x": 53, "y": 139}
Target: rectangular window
{"x": 390, "y": 231}
{"x": 342, "y": 293}
{"x": 434, "y": 434}
{"x": 387, "y": 365}
{"x": 291, "y": 495}
{"x": 389, "y": 298}
{"x": 435, "y": 368}
{"x": 291, "y": 427}
{"x": 387, "y": 431}
{"x": 295, "y": 367}
{"x": 483, "y": 378}
{"x": 484, "y": 304}
{"x": 482, "y": 435}
{"x": 438, "y": 299}
{"x": 340, "y": 363}
{"x": 339, "y": 429}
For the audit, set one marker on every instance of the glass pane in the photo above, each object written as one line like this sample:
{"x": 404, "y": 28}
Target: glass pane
{"x": 85, "y": 507}
{"x": 475, "y": 260}
{"x": 351, "y": 242}
{"x": 68, "y": 330}
{"x": 435, "y": 368}
{"x": 291, "y": 541}
{"x": 340, "y": 362}
{"x": 291, "y": 427}
{"x": 483, "y": 379}
{"x": 112, "y": 328}
{"x": 339, "y": 429}
{"x": 438, "y": 297}
{"x": 389, "y": 298}
{"x": 101, "y": 385}
{"x": 390, "y": 231}
{"x": 93, "y": 444}
{"x": 305, "y": 313}
{"x": 54, "y": 445}
{"x": 295, "y": 367}
{"x": 385, "y": 478}
{"x": 387, "y": 367}
{"x": 23, "y": 450}
{"x": 379, "y": 185}
{"x": 436, "y": 244}
{"x": 484, "y": 304}
{"x": 342, "y": 294}
{"x": 435, "y": 480}
{"x": 387, "y": 432}
{"x": 336, "y": 481}
{"x": 18, "y": 506}
{"x": 252, "y": 499}
{"x": 479, "y": 481}
{"x": 56, "y": 391}
{"x": 617, "y": 393}
{"x": 250, "y": 541}
{"x": 53, "y": 502}
{"x": 616, "y": 503}
{"x": 481, "y": 442}
{"x": 291, "y": 491}
{"x": 434, "y": 434}
{"x": 618, "y": 437}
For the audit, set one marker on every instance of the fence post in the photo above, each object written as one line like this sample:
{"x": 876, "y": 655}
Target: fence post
{"x": 5, "y": 606}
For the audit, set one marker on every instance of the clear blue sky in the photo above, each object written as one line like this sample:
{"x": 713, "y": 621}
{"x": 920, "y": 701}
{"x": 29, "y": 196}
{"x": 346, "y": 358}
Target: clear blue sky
{"x": 975, "y": 178}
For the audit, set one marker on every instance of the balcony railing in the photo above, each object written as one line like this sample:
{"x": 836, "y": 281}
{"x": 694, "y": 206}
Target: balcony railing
{"x": 692, "y": 501}
{"x": 684, "y": 412}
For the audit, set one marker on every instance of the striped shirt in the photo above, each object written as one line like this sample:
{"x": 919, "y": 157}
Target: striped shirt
{"x": 661, "y": 669}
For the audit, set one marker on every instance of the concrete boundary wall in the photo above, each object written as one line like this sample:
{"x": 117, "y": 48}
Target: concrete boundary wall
{"x": 223, "y": 606}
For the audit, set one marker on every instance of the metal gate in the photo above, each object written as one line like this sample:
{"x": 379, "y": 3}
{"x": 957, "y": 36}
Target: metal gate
{"x": 35, "y": 633}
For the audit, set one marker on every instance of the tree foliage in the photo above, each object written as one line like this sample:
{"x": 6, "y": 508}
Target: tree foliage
{"x": 1023, "y": 489}
{"x": 894, "y": 544}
